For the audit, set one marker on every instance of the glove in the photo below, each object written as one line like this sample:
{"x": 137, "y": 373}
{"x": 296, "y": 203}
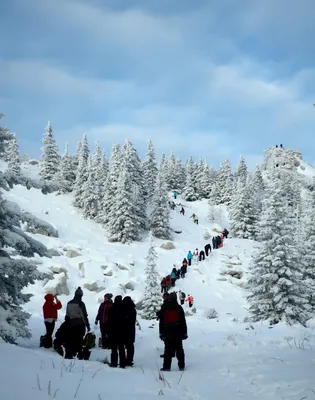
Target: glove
{"x": 185, "y": 336}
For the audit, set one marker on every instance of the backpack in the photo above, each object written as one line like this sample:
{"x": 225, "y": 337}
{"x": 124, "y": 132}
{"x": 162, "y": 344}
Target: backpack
{"x": 171, "y": 316}
{"x": 46, "y": 341}
{"x": 89, "y": 340}
{"x": 183, "y": 296}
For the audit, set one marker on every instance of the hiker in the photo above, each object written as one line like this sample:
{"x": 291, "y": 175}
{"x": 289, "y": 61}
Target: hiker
{"x": 196, "y": 255}
{"x": 181, "y": 297}
{"x": 225, "y": 233}
{"x": 276, "y": 146}
{"x": 208, "y": 249}
{"x": 117, "y": 325}
{"x": 217, "y": 242}
{"x": 50, "y": 313}
{"x": 221, "y": 242}
{"x": 182, "y": 211}
{"x": 178, "y": 274}
{"x": 193, "y": 216}
{"x": 190, "y": 301}
{"x": 130, "y": 333}
{"x": 183, "y": 269}
{"x": 189, "y": 257}
{"x": 173, "y": 276}
{"x": 214, "y": 243}
{"x": 163, "y": 285}
{"x": 173, "y": 330}
{"x": 169, "y": 282}
{"x": 62, "y": 339}
{"x": 281, "y": 146}
{"x": 201, "y": 255}
{"x": 102, "y": 317}
{"x": 175, "y": 194}
{"x": 78, "y": 322}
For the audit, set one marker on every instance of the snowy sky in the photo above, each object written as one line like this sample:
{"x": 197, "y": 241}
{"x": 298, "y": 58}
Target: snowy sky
{"x": 201, "y": 77}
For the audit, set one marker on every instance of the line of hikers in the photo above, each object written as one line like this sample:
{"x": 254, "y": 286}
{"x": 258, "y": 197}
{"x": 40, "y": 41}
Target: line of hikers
{"x": 73, "y": 338}
{"x": 117, "y": 321}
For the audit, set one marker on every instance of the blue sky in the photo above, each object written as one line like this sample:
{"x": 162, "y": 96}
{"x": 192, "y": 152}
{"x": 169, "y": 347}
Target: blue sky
{"x": 200, "y": 77}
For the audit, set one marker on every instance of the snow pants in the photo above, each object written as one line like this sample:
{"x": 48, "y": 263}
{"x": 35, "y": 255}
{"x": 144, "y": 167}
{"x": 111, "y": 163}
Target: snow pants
{"x": 189, "y": 261}
{"x": 50, "y": 326}
{"x": 117, "y": 348}
{"x": 173, "y": 346}
{"x": 130, "y": 351}
{"x": 105, "y": 338}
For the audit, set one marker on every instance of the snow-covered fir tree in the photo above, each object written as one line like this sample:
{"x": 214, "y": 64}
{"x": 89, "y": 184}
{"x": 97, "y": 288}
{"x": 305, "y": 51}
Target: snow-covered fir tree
{"x": 82, "y": 173}
{"x": 180, "y": 175}
{"x": 50, "y": 157}
{"x": 308, "y": 238}
{"x": 5, "y": 135}
{"x": 170, "y": 174}
{"x": 65, "y": 177}
{"x": 225, "y": 182}
{"x": 110, "y": 187}
{"x": 279, "y": 290}
{"x": 13, "y": 157}
{"x": 242, "y": 172}
{"x": 152, "y": 296}
{"x": 99, "y": 173}
{"x": 160, "y": 215}
{"x": 123, "y": 223}
{"x": 243, "y": 214}
{"x": 149, "y": 169}
{"x": 90, "y": 195}
{"x": 189, "y": 191}
{"x": 75, "y": 158}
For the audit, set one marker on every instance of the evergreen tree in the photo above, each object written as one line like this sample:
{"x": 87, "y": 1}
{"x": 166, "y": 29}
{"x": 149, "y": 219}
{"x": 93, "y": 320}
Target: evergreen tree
{"x": 180, "y": 175}
{"x": 75, "y": 158}
{"x": 50, "y": 157}
{"x": 242, "y": 172}
{"x": 279, "y": 291}
{"x": 65, "y": 177}
{"x": 124, "y": 224}
{"x": 243, "y": 214}
{"x": 90, "y": 197}
{"x": 110, "y": 187}
{"x": 189, "y": 192}
{"x": 149, "y": 169}
{"x": 160, "y": 215}
{"x": 82, "y": 173}
{"x": 13, "y": 156}
{"x": 152, "y": 295}
{"x": 225, "y": 182}
{"x": 170, "y": 173}
{"x": 5, "y": 135}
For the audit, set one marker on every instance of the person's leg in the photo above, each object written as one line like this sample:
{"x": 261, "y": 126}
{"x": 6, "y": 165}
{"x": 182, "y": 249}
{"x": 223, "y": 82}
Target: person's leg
{"x": 180, "y": 353}
{"x": 168, "y": 354}
{"x": 130, "y": 353}
{"x": 114, "y": 355}
{"x": 122, "y": 355}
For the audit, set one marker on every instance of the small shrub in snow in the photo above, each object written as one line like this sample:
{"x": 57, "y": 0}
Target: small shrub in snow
{"x": 211, "y": 313}
{"x": 206, "y": 235}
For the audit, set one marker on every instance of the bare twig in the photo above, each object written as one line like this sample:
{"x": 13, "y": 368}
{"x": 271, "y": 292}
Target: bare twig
{"x": 180, "y": 378}
{"x": 38, "y": 383}
{"x": 78, "y": 387}
{"x": 93, "y": 376}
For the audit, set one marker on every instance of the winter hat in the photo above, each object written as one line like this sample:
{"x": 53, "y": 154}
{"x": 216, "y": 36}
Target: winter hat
{"x": 78, "y": 292}
{"x": 49, "y": 297}
{"x": 108, "y": 296}
{"x": 172, "y": 297}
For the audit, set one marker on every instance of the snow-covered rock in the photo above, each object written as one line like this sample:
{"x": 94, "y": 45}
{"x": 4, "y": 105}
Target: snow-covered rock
{"x": 73, "y": 253}
{"x": 168, "y": 246}
{"x": 93, "y": 287}
{"x": 277, "y": 157}
{"x": 54, "y": 253}
{"x": 58, "y": 285}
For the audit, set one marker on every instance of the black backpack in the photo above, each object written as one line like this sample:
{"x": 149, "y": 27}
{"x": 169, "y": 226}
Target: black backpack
{"x": 46, "y": 341}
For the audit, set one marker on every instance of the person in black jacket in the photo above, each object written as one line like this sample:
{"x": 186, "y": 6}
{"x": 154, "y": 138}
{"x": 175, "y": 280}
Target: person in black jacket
{"x": 117, "y": 325}
{"x": 130, "y": 333}
{"x": 208, "y": 249}
{"x": 62, "y": 339}
{"x": 78, "y": 322}
{"x": 173, "y": 330}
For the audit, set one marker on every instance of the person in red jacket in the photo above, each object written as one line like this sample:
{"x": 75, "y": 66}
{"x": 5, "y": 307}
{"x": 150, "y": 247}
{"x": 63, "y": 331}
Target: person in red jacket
{"x": 50, "y": 311}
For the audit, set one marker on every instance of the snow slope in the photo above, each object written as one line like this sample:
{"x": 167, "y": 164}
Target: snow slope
{"x": 226, "y": 357}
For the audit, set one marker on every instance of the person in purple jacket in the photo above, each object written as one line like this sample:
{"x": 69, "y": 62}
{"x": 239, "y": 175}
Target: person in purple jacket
{"x": 102, "y": 317}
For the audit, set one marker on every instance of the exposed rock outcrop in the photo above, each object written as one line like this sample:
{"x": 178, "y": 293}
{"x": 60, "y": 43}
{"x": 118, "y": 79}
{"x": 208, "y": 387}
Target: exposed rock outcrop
{"x": 168, "y": 246}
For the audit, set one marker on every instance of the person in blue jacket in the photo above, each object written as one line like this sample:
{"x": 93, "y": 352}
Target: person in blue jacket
{"x": 173, "y": 275}
{"x": 175, "y": 194}
{"x": 189, "y": 257}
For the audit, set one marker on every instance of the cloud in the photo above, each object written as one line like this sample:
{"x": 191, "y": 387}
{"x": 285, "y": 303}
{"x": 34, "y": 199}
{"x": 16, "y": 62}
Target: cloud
{"x": 202, "y": 78}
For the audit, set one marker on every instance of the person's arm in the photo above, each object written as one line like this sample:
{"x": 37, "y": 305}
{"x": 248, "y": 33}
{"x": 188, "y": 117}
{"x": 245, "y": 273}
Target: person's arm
{"x": 58, "y": 303}
{"x": 85, "y": 315}
{"x": 183, "y": 321}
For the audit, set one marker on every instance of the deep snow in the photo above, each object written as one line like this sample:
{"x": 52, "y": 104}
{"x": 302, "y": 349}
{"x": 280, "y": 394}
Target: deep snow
{"x": 226, "y": 357}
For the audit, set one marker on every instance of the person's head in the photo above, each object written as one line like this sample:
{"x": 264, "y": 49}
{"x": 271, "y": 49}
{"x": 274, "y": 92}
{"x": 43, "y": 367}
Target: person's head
{"x": 78, "y": 293}
{"x": 172, "y": 297}
{"x": 108, "y": 297}
{"x": 128, "y": 301}
{"x": 49, "y": 297}
{"x": 118, "y": 299}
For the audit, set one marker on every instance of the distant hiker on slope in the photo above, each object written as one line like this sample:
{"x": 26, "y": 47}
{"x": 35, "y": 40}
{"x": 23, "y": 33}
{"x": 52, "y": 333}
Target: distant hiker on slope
{"x": 50, "y": 312}
{"x": 173, "y": 276}
{"x": 175, "y": 194}
{"x": 182, "y": 211}
{"x": 207, "y": 249}
{"x": 190, "y": 301}
{"x": 189, "y": 257}
{"x": 102, "y": 317}
{"x": 163, "y": 285}
{"x": 173, "y": 330}
{"x": 183, "y": 270}
{"x": 225, "y": 233}
{"x": 181, "y": 297}
{"x": 201, "y": 255}
{"x": 195, "y": 218}
{"x": 213, "y": 243}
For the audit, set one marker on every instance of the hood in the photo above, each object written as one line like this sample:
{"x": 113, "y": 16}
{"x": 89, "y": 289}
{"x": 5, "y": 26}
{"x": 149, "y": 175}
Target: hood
{"x": 118, "y": 299}
{"x": 78, "y": 293}
{"x": 49, "y": 297}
